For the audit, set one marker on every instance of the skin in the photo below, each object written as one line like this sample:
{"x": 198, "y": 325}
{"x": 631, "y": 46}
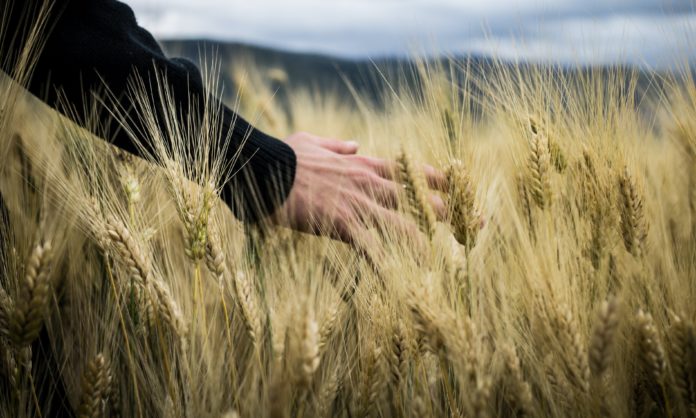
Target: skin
{"x": 342, "y": 194}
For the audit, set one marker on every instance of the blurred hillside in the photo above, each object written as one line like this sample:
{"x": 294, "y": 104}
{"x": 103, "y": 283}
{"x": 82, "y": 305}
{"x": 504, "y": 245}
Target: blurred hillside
{"x": 325, "y": 73}
{"x": 312, "y": 71}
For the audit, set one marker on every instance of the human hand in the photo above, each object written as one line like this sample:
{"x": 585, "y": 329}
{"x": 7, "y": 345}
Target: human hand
{"x": 341, "y": 194}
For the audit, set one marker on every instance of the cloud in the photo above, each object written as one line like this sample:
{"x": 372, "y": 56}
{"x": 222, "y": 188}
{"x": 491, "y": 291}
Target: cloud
{"x": 566, "y": 30}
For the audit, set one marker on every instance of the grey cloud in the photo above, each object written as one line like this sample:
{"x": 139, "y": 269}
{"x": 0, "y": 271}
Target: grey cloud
{"x": 628, "y": 30}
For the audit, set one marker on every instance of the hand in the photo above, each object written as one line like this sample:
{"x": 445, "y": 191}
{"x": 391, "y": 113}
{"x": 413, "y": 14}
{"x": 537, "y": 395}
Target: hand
{"x": 341, "y": 194}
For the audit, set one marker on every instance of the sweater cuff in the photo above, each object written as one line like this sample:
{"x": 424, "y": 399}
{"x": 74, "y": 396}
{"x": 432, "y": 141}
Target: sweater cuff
{"x": 262, "y": 175}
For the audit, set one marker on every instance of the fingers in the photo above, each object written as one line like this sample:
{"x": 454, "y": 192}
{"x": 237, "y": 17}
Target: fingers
{"x": 436, "y": 179}
{"x": 395, "y": 223}
{"x": 368, "y": 213}
{"x": 438, "y": 206}
{"x": 385, "y": 192}
{"x": 338, "y": 146}
{"x": 353, "y": 226}
{"x": 383, "y": 168}
{"x": 388, "y": 169}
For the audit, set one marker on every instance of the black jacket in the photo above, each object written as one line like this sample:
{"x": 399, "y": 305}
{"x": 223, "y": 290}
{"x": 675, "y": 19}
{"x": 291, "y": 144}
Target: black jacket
{"x": 93, "y": 43}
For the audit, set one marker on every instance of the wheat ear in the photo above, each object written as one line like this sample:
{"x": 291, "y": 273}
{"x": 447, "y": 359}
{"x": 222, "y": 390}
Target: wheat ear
{"x": 577, "y": 359}
{"x": 540, "y": 170}
{"x": 129, "y": 251}
{"x": 415, "y": 188}
{"x": 372, "y": 381}
{"x": 464, "y": 216}
{"x": 651, "y": 355}
{"x": 30, "y": 308}
{"x": 525, "y": 201}
{"x": 328, "y": 392}
{"x": 6, "y": 307}
{"x": 328, "y": 326}
{"x": 633, "y": 224}
{"x": 558, "y": 159}
{"x": 250, "y": 312}
{"x": 215, "y": 256}
{"x": 168, "y": 309}
{"x": 308, "y": 346}
{"x": 194, "y": 212}
{"x": 96, "y": 384}
{"x": 603, "y": 338}
{"x": 520, "y": 394}
{"x": 683, "y": 359}
{"x": 399, "y": 355}
{"x": 652, "y": 352}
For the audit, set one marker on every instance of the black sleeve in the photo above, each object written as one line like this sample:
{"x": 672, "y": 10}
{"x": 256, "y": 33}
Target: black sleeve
{"x": 93, "y": 43}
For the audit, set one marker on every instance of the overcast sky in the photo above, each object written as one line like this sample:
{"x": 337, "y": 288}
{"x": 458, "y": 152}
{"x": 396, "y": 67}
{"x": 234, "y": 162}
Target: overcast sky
{"x": 571, "y": 31}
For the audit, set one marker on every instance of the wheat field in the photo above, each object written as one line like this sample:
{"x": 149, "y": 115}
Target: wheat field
{"x": 561, "y": 283}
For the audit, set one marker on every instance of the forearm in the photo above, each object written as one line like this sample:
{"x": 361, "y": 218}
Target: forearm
{"x": 97, "y": 44}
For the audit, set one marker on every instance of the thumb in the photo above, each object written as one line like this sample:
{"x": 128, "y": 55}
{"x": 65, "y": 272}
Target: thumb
{"x": 338, "y": 146}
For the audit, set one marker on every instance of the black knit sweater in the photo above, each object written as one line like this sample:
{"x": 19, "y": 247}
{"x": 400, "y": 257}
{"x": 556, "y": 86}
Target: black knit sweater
{"x": 93, "y": 44}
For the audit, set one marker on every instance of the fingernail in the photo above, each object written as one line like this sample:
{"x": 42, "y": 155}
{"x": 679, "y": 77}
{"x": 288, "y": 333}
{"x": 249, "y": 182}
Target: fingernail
{"x": 353, "y": 144}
